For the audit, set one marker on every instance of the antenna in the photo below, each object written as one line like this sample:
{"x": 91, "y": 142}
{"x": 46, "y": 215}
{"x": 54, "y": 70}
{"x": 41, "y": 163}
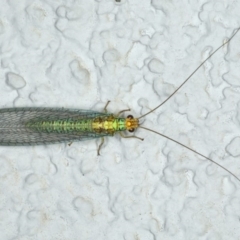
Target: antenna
{"x": 192, "y": 150}
{"x": 171, "y": 139}
{"x": 144, "y": 115}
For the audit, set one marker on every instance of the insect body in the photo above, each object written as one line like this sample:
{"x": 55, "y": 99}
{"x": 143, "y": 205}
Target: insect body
{"x": 34, "y": 126}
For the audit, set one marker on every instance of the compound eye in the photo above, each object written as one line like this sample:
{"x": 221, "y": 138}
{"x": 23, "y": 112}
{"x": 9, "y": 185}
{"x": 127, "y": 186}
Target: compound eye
{"x": 131, "y": 130}
{"x": 130, "y": 116}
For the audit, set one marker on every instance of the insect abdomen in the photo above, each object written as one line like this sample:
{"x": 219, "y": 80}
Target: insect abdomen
{"x": 61, "y": 126}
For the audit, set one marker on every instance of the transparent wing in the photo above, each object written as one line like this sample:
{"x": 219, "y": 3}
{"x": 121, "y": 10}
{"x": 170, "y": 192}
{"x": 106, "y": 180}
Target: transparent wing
{"x": 13, "y": 130}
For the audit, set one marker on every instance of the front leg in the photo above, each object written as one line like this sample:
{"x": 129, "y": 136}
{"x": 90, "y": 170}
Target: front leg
{"x": 105, "y": 108}
{"x": 99, "y": 147}
{"x": 123, "y": 136}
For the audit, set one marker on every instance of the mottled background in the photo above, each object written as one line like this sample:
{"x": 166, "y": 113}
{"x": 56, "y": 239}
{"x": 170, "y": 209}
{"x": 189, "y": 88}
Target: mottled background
{"x": 79, "y": 54}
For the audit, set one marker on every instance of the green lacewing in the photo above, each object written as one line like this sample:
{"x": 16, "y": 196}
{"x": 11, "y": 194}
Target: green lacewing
{"x": 36, "y": 126}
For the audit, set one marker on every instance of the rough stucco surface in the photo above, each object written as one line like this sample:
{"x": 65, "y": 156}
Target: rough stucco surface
{"x": 79, "y": 54}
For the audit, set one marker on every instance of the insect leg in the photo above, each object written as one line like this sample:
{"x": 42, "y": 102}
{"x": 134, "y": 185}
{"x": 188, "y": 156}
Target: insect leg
{"x": 126, "y": 110}
{"x": 105, "y": 108}
{"x": 123, "y": 136}
{"x": 99, "y": 147}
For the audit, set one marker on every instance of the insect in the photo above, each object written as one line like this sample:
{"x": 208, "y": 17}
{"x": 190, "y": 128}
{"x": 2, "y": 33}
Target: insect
{"x": 36, "y": 126}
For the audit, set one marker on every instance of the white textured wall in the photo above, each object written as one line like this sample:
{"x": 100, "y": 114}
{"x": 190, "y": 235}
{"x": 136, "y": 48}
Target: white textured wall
{"x": 79, "y": 54}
